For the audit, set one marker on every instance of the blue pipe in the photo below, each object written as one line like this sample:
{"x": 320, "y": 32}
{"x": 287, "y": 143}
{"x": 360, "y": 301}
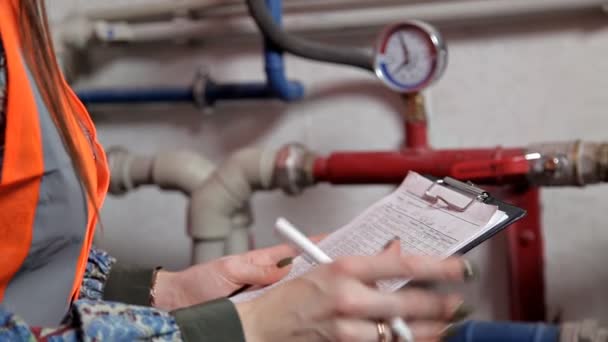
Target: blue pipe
{"x": 136, "y": 95}
{"x": 274, "y": 65}
{"x": 505, "y": 332}
{"x": 236, "y": 91}
{"x": 276, "y": 85}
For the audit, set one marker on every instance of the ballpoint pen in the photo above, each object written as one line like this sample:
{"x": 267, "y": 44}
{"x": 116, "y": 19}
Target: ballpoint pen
{"x": 299, "y": 240}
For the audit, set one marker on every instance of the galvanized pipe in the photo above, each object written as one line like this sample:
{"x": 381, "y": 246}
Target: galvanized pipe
{"x": 571, "y": 163}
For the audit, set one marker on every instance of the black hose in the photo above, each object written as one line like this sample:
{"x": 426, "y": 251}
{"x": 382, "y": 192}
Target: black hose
{"x": 306, "y": 48}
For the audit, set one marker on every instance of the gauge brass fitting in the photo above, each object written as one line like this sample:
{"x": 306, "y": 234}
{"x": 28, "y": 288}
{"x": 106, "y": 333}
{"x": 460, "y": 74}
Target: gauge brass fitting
{"x": 415, "y": 109}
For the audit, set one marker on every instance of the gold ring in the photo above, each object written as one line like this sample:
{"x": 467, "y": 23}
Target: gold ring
{"x": 382, "y": 329}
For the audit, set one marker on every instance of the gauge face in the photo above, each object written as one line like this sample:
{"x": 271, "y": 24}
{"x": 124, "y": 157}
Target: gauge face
{"x": 409, "y": 56}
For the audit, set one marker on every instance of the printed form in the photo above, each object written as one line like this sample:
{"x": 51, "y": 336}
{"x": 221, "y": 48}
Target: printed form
{"x": 424, "y": 228}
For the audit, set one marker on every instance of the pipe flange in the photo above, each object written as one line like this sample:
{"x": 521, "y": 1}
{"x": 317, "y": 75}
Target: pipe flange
{"x": 293, "y": 168}
{"x": 119, "y": 161}
{"x": 603, "y": 162}
{"x": 578, "y": 165}
{"x": 199, "y": 85}
{"x": 553, "y": 164}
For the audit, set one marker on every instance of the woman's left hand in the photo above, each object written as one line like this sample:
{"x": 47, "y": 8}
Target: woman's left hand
{"x": 221, "y": 277}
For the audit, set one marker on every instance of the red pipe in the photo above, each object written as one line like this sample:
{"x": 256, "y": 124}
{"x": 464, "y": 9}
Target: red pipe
{"x": 484, "y": 166}
{"x": 526, "y": 259}
{"x": 416, "y": 135}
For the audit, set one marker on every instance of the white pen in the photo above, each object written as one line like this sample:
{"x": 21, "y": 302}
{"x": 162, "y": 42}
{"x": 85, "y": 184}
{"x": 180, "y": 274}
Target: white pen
{"x": 290, "y": 233}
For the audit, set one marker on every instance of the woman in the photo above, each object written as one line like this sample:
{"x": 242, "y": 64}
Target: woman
{"x": 55, "y": 286}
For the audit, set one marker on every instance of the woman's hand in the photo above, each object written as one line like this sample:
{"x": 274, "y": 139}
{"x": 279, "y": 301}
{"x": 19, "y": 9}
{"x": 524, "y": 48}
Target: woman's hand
{"x": 221, "y": 277}
{"x": 339, "y": 301}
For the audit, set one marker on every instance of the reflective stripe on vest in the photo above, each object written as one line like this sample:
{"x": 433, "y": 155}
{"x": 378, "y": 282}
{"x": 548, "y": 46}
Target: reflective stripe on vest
{"x": 46, "y": 222}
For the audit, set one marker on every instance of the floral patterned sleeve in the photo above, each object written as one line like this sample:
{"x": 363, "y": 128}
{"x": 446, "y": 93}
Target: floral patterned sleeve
{"x": 92, "y": 319}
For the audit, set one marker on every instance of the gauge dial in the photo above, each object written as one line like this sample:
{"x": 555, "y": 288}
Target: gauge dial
{"x": 410, "y": 56}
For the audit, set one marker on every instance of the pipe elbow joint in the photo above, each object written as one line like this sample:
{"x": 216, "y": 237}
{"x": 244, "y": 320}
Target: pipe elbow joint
{"x": 293, "y": 91}
{"x": 281, "y": 87}
{"x": 182, "y": 170}
{"x": 222, "y": 201}
{"x": 210, "y": 212}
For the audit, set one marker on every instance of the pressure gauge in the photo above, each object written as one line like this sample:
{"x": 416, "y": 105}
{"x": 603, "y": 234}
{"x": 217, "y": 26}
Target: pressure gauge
{"x": 410, "y": 56}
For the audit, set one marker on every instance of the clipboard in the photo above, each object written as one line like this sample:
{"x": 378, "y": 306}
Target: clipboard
{"x": 475, "y": 193}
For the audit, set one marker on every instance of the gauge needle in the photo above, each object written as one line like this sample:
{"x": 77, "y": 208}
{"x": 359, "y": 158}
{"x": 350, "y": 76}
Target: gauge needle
{"x": 399, "y": 68}
{"x": 406, "y": 55}
{"x": 406, "y": 52}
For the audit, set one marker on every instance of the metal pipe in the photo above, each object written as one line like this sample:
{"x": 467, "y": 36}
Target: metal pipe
{"x": 570, "y": 163}
{"x": 202, "y": 94}
{"x": 205, "y": 91}
{"x": 415, "y": 118}
{"x": 158, "y": 8}
{"x": 526, "y": 256}
{"x": 439, "y": 13}
{"x": 491, "y": 166}
{"x": 302, "y": 47}
{"x": 416, "y": 135}
{"x": 550, "y": 164}
{"x": 161, "y": 8}
{"x": 100, "y": 10}
{"x": 136, "y": 95}
{"x": 214, "y": 92}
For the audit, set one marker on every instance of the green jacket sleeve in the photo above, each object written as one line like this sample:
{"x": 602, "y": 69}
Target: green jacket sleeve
{"x": 128, "y": 285}
{"x": 216, "y": 321}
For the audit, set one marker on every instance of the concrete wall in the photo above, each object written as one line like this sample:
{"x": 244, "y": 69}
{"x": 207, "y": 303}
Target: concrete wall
{"x": 509, "y": 85}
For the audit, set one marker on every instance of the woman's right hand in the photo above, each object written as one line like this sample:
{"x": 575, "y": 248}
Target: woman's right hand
{"x": 339, "y": 301}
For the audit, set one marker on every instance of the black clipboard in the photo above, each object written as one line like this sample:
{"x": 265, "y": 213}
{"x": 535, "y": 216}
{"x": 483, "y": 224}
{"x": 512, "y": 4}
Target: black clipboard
{"x": 513, "y": 213}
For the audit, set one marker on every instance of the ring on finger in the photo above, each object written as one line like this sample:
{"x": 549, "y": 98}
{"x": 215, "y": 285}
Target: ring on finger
{"x": 382, "y": 331}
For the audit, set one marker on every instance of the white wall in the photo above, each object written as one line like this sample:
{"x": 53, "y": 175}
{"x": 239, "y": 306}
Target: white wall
{"x": 532, "y": 82}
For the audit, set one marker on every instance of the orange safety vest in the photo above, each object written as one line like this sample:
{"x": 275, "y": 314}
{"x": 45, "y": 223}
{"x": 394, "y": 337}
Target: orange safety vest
{"x": 23, "y": 167}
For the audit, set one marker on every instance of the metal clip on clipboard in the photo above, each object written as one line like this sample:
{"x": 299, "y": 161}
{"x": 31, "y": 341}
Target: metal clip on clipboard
{"x": 468, "y": 188}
